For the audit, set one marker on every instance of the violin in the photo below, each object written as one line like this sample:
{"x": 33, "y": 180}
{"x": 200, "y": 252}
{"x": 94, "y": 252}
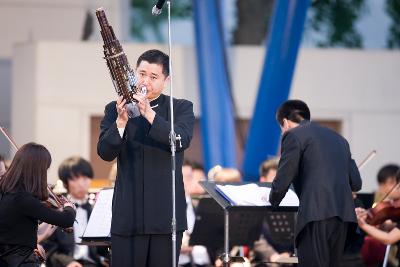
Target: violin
{"x": 385, "y": 210}
{"x": 54, "y": 201}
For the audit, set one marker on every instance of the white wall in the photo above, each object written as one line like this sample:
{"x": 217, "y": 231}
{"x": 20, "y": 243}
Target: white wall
{"x": 23, "y": 21}
{"x": 29, "y": 21}
{"x": 58, "y": 86}
{"x": 362, "y": 89}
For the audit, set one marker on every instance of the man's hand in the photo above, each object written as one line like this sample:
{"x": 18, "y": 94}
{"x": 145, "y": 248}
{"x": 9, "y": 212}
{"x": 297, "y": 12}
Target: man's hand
{"x": 122, "y": 119}
{"x": 277, "y": 256}
{"x": 144, "y": 107}
{"x": 74, "y": 264}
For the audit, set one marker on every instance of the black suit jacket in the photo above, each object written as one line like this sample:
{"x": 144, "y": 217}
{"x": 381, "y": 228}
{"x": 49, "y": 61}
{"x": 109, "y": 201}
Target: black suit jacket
{"x": 318, "y": 162}
{"x": 142, "y": 202}
{"x": 60, "y": 246}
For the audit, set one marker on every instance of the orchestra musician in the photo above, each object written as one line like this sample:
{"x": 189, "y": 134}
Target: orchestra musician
{"x": 64, "y": 249}
{"x": 142, "y": 203}
{"x": 389, "y": 209}
{"x": 318, "y": 162}
{"x": 23, "y": 187}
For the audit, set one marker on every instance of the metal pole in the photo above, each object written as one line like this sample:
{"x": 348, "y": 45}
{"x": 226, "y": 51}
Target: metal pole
{"x": 226, "y": 257}
{"x": 172, "y": 138}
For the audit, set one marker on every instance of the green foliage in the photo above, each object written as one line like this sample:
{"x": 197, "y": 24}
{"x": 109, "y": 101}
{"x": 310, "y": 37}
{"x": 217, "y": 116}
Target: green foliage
{"x": 393, "y": 10}
{"x": 335, "y": 20}
{"x": 143, "y": 20}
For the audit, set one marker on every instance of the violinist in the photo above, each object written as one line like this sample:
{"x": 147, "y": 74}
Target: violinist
{"x": 22, "y": 189}
{"x": 386, "y": 179}
{"x": 386, "y": 237}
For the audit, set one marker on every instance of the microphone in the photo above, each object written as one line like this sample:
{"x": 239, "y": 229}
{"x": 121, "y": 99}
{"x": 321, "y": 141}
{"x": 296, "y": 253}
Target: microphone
{"x": 158, "y": 7}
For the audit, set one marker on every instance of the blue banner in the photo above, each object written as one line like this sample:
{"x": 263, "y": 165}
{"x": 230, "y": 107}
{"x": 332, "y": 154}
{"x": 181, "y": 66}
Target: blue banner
{"x": 282, "y": 47}
{"x": 217, "y": 122}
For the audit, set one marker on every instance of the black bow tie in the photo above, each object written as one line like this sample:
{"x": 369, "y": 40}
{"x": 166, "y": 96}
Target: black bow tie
{"x": 83, "y": 205}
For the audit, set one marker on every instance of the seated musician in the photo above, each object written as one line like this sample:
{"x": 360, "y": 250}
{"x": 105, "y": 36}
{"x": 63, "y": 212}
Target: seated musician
{"x": 264, "y": 249}
{"x": 22, "y": 188}
{"x": 198, "y": 175}
{"x": 389, "y": 232}
{"x": 76, "y": 174}
{"x": 224, "y": 175}
{"x": 191, "y": 255}
{"x": 386, "y": 179}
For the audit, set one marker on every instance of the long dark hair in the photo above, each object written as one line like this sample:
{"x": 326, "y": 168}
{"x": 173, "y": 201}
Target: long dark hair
{"x": 28, "y": 171}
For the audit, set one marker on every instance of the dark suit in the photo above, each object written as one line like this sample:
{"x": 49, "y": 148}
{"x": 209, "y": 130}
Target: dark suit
{"x": 142, "y": 203}
{"x": 60, "y": 246}
{"x": 319, "y": 164}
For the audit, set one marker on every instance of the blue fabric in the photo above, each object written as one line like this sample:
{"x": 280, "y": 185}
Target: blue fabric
{"x": 282, "y": 48}
{"x": 217, "y": 122}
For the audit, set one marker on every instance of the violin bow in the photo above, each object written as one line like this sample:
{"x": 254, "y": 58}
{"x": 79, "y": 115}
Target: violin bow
{"x": 371, "y": 155}
{"x": 4, "y": 132}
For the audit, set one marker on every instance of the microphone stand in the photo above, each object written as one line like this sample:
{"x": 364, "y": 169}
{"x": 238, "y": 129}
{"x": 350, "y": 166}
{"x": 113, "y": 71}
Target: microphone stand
{"x": 172, "y": 138}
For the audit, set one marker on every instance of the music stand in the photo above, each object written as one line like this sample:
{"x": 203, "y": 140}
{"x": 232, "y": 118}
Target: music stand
{"x": 241, "y": 224}
{"x": 281, "y": 226}
{"x": 98, "y": 229}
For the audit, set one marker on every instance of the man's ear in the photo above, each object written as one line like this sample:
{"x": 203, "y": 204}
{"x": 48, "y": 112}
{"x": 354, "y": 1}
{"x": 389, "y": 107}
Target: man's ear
{"x": 285, "y": 123}
{"x": 166, "y": 81}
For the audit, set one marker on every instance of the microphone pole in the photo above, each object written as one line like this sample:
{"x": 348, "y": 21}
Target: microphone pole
{"x": 173, "y": 139}
{"x": 172, "y": 135}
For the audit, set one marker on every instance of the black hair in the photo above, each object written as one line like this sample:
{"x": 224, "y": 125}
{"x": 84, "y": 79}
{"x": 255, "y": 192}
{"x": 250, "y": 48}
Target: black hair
{"x": 73, "y": 167}
{"x": 293, "y": 110}
{"x": 28, "y": 171}
{"x": 386, "y": 172}
{"x": 155, "y": 56}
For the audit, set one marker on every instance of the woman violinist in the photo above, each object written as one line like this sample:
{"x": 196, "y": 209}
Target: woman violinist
{"x": 383, "y": 211}
{"x": 22, "y": 189}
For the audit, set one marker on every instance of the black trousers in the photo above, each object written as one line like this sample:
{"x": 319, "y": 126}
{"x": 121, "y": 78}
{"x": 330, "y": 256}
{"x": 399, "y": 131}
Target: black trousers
{"x": 143, "y": 250}
{"x": 18, "y": 256}
{"x": 321, "y": 243}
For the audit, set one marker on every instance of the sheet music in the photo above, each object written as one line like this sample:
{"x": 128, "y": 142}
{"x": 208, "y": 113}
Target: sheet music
{"x": 254, "y": 195}
{"x": 99, "y": 224}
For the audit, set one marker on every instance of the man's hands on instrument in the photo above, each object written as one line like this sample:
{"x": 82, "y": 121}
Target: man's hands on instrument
{"x": 122, "y": 118}
{"x": 144, "y": 108}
